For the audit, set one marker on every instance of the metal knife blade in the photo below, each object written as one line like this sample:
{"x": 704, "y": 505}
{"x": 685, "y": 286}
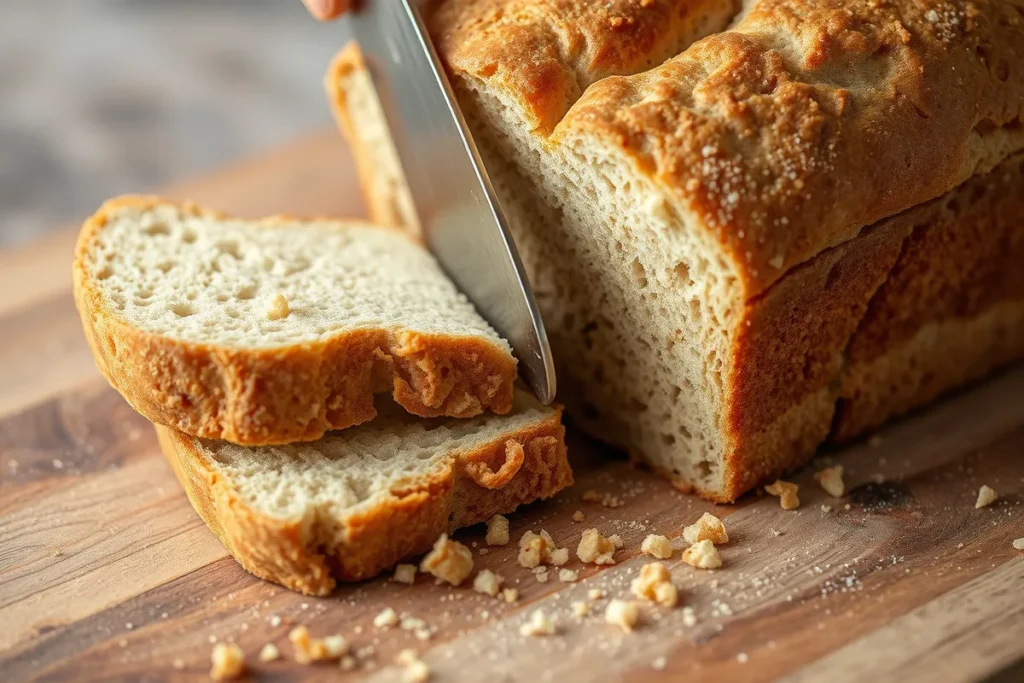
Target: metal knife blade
{"x": 462, "y": 221}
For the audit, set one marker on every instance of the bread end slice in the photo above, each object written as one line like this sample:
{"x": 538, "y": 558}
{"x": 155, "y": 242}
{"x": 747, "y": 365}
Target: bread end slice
{"x": 359, "y": 113}
{"x": 356, "y": 502}
{"x": 274, "y": 331}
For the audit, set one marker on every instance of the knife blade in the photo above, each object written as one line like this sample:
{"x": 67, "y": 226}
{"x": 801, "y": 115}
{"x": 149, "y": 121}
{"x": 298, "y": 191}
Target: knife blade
{"x": 461, "y": 218}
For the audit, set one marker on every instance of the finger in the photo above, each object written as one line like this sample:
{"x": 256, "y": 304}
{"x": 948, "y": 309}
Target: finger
{"x": 325, "y": 10}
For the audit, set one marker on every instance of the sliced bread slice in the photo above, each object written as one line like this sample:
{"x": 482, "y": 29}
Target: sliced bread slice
{"x": 355, "y": 502}
{"x": 278, "y": 330}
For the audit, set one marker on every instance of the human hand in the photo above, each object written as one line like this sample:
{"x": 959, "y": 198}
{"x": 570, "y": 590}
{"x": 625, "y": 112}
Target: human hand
{"x": 325, "y": 10}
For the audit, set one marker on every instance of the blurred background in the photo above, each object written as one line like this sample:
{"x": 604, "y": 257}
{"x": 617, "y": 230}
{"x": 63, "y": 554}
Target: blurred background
{"x": 103, "y": 97}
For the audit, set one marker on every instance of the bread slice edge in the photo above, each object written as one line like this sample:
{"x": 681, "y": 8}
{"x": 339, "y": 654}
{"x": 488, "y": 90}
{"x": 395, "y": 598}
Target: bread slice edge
{"x": 311, "y": 554}
{"x": 276, "y": 395}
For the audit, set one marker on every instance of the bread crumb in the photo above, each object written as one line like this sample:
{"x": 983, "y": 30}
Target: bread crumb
{"x": 449, "y": 561}
{"x": 622, "y": 613}
{"x": 348, "y": 663}
{"x": 269, "y": 653}
{"x": 411, "y": 623}
{"x": 742, "y": 658}
{"x": 538, "y": 549}
{"x": 510, "y": 594}
{"x": 228, "y": 662}
{"x": 415, "y": 670}
{"x": 278, "y": 307}
{"x": 986, "y": 496}
{"x": 606, "y": 500}
{"x": 487, "y": 582}
{"x": 786, "y": 491}
{"x": 826, "y": 509}
{"x": 655, "y": 584}
{"x": 596, "y": 548}
{"x": 703, "y": 555}
{"x": 659, "y": 664}
{"x": 497, "y": 530}
{"x": 580, "y": 608}
{"x": 831, "y": 480}
{"x": 538, "y": 625}
{"x": 388, "y": 617}
{"x": 405, "y": 573}
{"x": 275, "y": 621}
{"x": 595, "y": 593}
{"x": 1018, "y": 544}
{"x": 709, "y": 528}
{"x": 578, "y": 516}
{"x": 541, "y": 574}
{"x": 657, "y": 546}
{"x": 568, "y": 575}
{"x": 316, "y": 649}
{"x": 689, "y": 617}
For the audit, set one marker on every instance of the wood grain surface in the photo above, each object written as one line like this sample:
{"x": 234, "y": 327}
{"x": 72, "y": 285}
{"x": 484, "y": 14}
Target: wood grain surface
{"x": 106, "y": 573}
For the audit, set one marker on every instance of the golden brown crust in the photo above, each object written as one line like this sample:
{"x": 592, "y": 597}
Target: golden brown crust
{"x": 920, "y": 303}
{"x": 950, "y": 309}
{"x": 786, "y": 135}
{"x": 311, "y": 555}
{"x": 942, "y": 356}
{"x": 791, "y": 340}
{"x": 545, "y": 53}
{"x": 257, "y": 396}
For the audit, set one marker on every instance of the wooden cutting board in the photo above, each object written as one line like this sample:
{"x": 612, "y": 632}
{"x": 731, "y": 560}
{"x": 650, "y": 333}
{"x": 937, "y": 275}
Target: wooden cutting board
{"x": 107, "y": 573}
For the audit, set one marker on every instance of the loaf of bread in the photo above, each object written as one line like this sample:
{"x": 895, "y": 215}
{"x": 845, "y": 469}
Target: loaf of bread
{"x": 276, "y": 331}
{"x": 750, "y": 226}
{"x": 357, "y": 501}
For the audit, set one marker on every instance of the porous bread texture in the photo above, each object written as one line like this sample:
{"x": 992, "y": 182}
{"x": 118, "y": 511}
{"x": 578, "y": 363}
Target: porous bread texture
{"x": 704, "y": 236}
{"x": 212, "y": 280}
{"x": 357, "y": 501}
{"x": 277, "y": 331}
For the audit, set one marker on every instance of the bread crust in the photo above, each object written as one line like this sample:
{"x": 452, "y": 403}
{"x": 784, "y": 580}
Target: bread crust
{"x": 266, "y": 396}
{"x": 311, "y": 555}
{"x": 950, "y": 310}
{"x": 546, "y": 54}
{"x": 787, "y": 134}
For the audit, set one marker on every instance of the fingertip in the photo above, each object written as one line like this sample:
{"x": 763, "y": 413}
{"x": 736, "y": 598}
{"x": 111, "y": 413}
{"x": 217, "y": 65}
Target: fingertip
{"x": 325, "y": 10}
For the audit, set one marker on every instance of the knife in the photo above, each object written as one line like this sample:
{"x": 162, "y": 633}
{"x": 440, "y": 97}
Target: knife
{"x": 461, "y": 218}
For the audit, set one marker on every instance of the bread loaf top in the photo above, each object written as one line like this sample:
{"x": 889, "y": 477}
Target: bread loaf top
{"x": 778, "y": 138}
{"x": 544, "y": 54}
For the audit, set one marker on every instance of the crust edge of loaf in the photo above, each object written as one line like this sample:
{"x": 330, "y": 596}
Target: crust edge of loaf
{"x": 311, "y": 556}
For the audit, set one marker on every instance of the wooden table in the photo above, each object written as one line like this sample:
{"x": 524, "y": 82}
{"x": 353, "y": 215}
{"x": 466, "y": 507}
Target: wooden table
{"x": 107, "y": 573}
